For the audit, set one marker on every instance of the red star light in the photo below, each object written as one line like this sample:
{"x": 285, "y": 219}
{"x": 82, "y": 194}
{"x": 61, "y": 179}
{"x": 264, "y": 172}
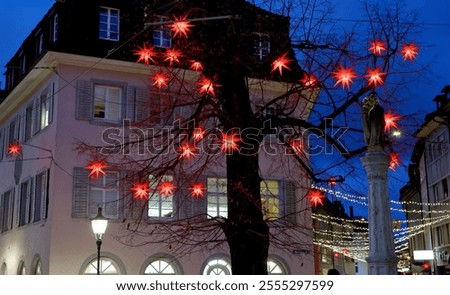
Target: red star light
{"x": 296, "y": 145}
{"x": 181, "y": 26}
{"x": 140, "y": 190}
{"x": 196, "y": 66}
{"x": 172, "y": 56}
{"x": 197, "y": 190}
{"x": 166, "y": 188}
{"x": 198, "y": 134}
{"x": 409, "y": 51}
{"x": 309, "y": 80}
{"x": 390, "y": 121}
{"x": 344, "y": 76}
{"x": 229, "y": 142}
{"x": 395, "y": 161}
{"x": 160, "y": 80}
{"x": 315, "y": 197}
{"x": 97, "y": 167}
{"x": 14, "y": 149}
{"x": 375, "y": 77}
{"x": 187, "y": 151}
{"x": 145, "y": 54}
{"x": 206, "y": 86}
{"x": 377, "y": 47}
{"x": 281, "y": 63}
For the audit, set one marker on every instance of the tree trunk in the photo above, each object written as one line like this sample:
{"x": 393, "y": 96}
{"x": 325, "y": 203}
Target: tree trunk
{"x": 246, "y": 231}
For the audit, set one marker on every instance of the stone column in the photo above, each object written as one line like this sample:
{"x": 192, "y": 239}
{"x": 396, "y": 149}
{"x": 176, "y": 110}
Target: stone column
{"x": 382, "y": 259}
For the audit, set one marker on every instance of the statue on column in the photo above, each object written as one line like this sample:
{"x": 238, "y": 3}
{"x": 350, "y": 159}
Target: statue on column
{"x": 373, "y": 124}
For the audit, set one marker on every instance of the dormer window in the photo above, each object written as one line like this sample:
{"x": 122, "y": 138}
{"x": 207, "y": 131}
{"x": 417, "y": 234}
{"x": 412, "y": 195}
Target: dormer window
{"x": 54, "y": 28}
{"x": 162, "y": 35}
{"x": 39, "y": 43}
{"x": 261, "y": 46}
{"x": 22, "y": 63}
{"x": 109, "y": 24}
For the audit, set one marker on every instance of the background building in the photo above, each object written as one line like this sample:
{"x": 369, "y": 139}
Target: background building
{"x": 425, "y": 197}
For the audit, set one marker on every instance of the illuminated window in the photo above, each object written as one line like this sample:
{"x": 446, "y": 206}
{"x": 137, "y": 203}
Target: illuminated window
{"x": 270, "y": 199}
{"x": 217, "y": 267}
{"x": 162, "y": 35}
{"x": 39, "y": 44}
{"x": 108, "y": 103}
{"x": 104, "y": 192}
{"x": 217, "y": 197}
{"x": 161, "y": 266}
{"x": 159, "y": 204}
{"x": 109, "y": 24}
{"x": 107, "y": 267}
{"x": 274, "y": 267}
{"x": 54, "y": 30}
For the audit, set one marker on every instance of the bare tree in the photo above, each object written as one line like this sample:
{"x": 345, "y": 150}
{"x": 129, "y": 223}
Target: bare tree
{"x": 234, "y": 109}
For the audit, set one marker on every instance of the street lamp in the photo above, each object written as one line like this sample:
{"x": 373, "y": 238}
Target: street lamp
{"x": 99, "y": 224}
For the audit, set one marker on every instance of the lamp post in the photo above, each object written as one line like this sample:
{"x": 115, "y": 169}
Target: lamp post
{"x": 99, "y": 224}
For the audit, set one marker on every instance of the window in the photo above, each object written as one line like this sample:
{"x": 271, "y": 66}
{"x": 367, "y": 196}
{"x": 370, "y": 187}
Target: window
{"x": 160, "y": 205}
{"x": 54, "y": 28}
{"x": 162, "y": 35}
{"x": 270, "y": 199}
{"x": 45, "y": 108}
{"x": 39, "y": 44}
{"x": 25, "y": 203}
{"x": 104, "y": 192}
{"x": 22, "y": 64}
{"x": 217, "y": 197}
{"x": 28, "y": 122}
{"x": 107, "y": 267}
{"x": 13, "y": 133}
{"x": 274, "y": 267}
{"x": 162, "y": 266}
{"x": 108, "y": 102}
{"x": 217, "y": 267}
{"x": 40, "y": 197}
{"x": 6, "y": 211}
{"x": 21, "y": 269}
{"x": 109, "y": 24}
{"x": 261, "y": 46}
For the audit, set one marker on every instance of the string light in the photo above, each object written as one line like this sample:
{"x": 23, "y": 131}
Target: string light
{"x": 181, "y": 26}
{"x": 409, "y": 51}
{"x": 377, "y": 47}
{"x": 145, "y": 54}
{"x": 375, "y": 77}
{"x": 14, "y": 149}
{"x": 140, "y": 190}
{"x": 97, "y": 167}
{"x": 198, "y": 190}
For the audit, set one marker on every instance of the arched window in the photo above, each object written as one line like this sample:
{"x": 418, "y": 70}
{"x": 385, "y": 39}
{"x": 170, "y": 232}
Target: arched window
{"x": 21, "y": 269}
{"x": 275, "y": 266}
{"x": 107, "y": 267}
{"x": 161, "y": 266}
{"x": 217, "y": 266}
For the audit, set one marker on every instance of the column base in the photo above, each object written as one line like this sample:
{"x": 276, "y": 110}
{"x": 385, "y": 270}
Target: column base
{"x": 382, "y": 266}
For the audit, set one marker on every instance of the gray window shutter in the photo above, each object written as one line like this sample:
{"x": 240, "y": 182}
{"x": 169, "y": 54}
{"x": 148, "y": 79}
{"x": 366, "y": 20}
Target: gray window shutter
{"x": 142, "y": 111}
{"x": 2, "y": 204}
{"x": 130, "y": 103}
{"x": 290, "y": 202}
{"x": 134, "y": 209}
{"x": 80, "y": 192}
{"x": 84, "y": 100}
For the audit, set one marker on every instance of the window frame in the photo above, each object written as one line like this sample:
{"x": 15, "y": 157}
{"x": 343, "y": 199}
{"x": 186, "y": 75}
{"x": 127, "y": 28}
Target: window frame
{"x": 105, "y": 188}
{"x": 7, "y": 213}
{"x": 107, "y": 33}
{"x": 107, "y": 102}
{"x": 25, "y": 203}
{"x": 262, "y": 46}
{"x": 54, "y": 28}
{"x": 213, "y": 197}
{"x": 160, "y": 200}
{"x": 162, "y": 35}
